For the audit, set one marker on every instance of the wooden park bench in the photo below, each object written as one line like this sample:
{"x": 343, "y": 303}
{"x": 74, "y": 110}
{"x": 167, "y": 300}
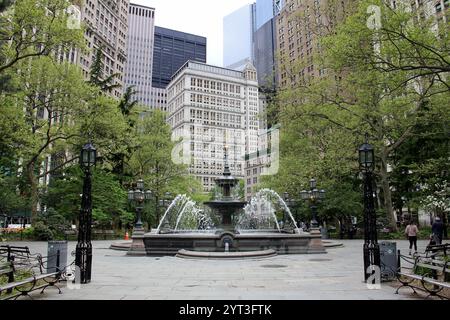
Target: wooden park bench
{"x": 431, "y": 269}
{"x": 16, "y": 260}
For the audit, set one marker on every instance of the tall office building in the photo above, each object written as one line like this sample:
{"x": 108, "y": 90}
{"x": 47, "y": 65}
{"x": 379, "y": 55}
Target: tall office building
{"x": 258, "y": 163}
{"x": 107, "y": 24}
{"x": 138, "y": 69}
{"x": 238, "y": 30}
{"x": 172, "y": 49}
{"x": 430, "y": 8}
{"x": 249, "y": 36}
{"x": 264, "y": 42}
{"x": 265, "y": 55}
{"x": 211, "y": 107}
{"x": 298, "y": 27}
{"x": 266, "y": 10}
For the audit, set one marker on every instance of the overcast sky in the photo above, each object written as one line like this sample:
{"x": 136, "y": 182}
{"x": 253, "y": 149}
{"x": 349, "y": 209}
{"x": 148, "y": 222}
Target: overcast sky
{"x": 200, "y": 17}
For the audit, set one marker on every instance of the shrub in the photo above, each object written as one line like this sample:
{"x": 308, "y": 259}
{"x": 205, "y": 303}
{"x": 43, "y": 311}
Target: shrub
{"x": 42, "y": 232}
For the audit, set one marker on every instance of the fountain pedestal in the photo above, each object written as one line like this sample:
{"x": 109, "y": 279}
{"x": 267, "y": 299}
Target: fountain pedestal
{"x": 137, "y": 246}
{"x": 316, "y": 244}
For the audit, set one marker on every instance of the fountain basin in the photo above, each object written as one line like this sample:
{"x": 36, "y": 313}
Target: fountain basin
{"x": 187, "y": 254}
{"x": 281, "y": 243}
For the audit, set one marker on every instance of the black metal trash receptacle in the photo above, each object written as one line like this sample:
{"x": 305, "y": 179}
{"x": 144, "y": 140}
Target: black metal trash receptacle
{"x": 389, "y": 260}
{"x": 56, "y": 256}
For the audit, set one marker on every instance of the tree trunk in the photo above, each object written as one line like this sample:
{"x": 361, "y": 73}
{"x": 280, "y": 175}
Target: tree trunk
{"x": 33, "y": 190}
{"x": 387, "y": 192}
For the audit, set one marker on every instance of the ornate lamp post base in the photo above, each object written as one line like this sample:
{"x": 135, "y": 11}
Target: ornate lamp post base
{"x": 137, "y": 246}
{"x": 316, "y": 244}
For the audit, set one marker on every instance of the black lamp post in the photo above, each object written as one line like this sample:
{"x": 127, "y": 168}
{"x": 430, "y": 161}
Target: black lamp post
{"x": 371, "y": 249}
{"x": 139, "y": 197}
{"x": 83, "y": 251}
{"x": 164, "y": 202}
{"x": 314, "y": 196}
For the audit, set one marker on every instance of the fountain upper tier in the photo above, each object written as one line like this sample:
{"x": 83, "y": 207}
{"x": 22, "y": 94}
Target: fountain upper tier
{"x": 225, "y": 204}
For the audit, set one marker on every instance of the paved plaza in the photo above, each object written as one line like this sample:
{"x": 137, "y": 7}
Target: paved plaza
{"x": 335, "y": 275}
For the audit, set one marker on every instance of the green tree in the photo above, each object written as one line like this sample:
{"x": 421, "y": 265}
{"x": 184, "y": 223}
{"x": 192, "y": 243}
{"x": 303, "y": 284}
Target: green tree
{"x": 355, "y": 96}
{"x": 130, "y": 110}
{"x": 51, "y": 95}
{"x": 4, "y": 4}
{"x": 97, "y": 77}
{"x": 152, "y": 161}
{"x": 35, "y": 28}
{"x": 109, "y": 199}
{"x": 128, "y": 103}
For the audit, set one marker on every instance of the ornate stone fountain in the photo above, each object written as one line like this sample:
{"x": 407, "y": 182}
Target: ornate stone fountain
{"x": 225, "y": 204}
{"x": 243, "y": 229}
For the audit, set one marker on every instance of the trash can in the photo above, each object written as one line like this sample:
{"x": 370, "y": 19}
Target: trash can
{"x": 56, "y": 256}
{"x": 388, "y": 259}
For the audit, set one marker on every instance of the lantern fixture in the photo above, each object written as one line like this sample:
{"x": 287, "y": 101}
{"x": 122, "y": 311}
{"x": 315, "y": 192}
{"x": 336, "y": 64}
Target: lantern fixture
{"x": 88, "y": 156}
{"x": 140, "y": 184}
{"x": 312, "y": 183}
{"x": 366, "y": 156}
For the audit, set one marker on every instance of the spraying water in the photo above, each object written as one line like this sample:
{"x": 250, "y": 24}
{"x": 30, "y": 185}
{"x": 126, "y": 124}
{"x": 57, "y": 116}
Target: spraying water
{"x": 179, "y": 200}
{"x": 260, "y": 212}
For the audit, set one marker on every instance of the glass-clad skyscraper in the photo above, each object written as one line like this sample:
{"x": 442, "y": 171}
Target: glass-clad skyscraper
{"x": 266, "y": 10}
{"x": 238, "y": 30}
{"x": 171, "y": 50}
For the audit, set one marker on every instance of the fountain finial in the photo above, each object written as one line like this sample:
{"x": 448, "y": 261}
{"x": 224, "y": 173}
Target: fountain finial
{"x": 226, "y": 171}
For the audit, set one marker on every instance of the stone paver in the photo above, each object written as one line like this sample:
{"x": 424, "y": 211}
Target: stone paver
{"x": 338, "y": 275}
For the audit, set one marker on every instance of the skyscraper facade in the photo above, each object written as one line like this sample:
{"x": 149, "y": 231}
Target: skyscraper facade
{"x": 429, "y": 8}
{"x": 264, "y": 48}
{"x": 138, "y": 70}
{"x": 238, "y": 30}
{"x": 298, "y": 28}
{"x": 107, "y": 25}
{"x": 266, "y": 10}
{"x": 264, "y": 42}
{"x": 172, "y": 49}
{"x": 210, "y": 108}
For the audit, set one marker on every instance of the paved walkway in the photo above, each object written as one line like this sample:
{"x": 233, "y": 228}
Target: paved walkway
{"x": 335, "y": 275}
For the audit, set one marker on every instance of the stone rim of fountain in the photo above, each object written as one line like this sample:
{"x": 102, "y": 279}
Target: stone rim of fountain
{"x": 255, "y": 254}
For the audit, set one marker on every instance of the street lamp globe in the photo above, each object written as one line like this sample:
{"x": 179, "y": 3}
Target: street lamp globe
{"x": 312, "y": 183}
{"x": 304, "y": 195}
{"x": 140, "y": 184}
{"x": 130, "y": 195}
{"x": 139, "y": 196}
{"x": 366, "y": 156}
{"x": 88, "y": 156}
{"x": 148, "y": 195}
{"x": 315, "y": 194}
{"x": 322, "y": 194}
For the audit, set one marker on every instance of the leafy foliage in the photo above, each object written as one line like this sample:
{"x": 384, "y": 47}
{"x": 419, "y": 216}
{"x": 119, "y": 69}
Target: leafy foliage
{"x": 385, "y": 81}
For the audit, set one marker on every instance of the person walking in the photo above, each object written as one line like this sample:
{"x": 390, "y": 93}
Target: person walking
{"x": 438, "y": 230}
{"x": 411, "y": 232}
